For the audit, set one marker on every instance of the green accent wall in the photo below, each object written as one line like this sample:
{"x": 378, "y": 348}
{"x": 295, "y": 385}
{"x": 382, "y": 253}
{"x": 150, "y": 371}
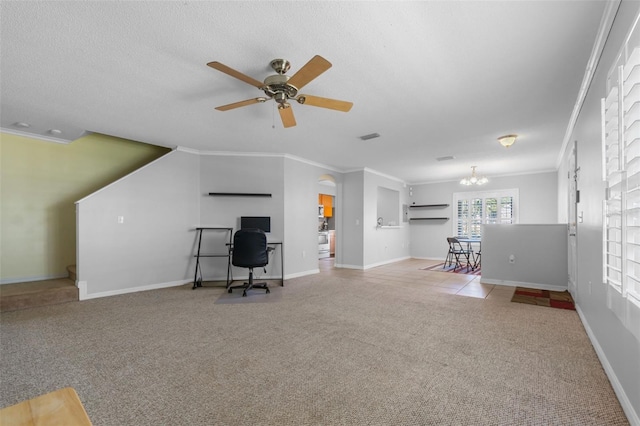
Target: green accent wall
{"x": 40, "y": 182}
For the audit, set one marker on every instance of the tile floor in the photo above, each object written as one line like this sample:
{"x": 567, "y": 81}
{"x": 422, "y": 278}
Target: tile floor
{"x": 409, "y": 273}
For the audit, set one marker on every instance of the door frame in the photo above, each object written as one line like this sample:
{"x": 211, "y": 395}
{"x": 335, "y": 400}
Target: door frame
{"x": 573, "y": 198}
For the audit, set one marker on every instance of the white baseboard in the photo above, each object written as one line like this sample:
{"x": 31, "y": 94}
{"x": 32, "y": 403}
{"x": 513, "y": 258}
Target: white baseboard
{"x": 627, "y": 407}
{"x": 82, "y": 287}
{"x": 372, "y": 265}
{"x": 302, "y": 274}
{"x": 30, "y": 279}
{"x": 386, "y": 262}
{"x": 523, "y": 284}
{"x": 82, "y": 290}
{"x": 346, "y": 266}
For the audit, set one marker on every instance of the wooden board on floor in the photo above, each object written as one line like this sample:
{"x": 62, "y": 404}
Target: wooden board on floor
{"x": 62, "y": 407}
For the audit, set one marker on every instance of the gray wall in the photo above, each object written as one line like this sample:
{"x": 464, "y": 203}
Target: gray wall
{"x": 173, "y": 196}
{"x": 301, "y": 215}
{"x": 539, "y": 256}
{"x": 538, "y": 203}
{"x": 152, "y": 247}
{"x": 241, "y": 174}
{"x": 383, "y": 245}
{"x": 352, "y": 253}
{"x": 607, "y": 319}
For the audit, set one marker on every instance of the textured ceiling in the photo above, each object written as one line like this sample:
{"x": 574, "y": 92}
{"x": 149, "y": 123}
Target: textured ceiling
{"x": 432, "y": 78}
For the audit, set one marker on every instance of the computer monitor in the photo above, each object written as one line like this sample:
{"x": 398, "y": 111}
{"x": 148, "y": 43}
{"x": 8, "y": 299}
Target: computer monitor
{"x": 259, "y": 222}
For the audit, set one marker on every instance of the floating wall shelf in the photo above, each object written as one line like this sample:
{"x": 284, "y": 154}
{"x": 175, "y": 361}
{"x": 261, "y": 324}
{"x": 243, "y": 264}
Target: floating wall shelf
{"x": 427, "y": 206}
{"x": 238, "y": 194}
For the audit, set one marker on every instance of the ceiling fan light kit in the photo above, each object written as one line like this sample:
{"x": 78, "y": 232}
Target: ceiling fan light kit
{"x": 282, "y": 88}
{"x": 507, "y": 140}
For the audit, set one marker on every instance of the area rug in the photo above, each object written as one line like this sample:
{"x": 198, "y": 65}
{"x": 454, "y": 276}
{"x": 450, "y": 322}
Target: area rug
{"x": 451, "y": 268}
{"x": 553, "y": 299}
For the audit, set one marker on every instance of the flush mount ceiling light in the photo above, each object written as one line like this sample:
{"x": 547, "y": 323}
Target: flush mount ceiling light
{"x": 473, "y": 179}
{"x": 507, "y": 140}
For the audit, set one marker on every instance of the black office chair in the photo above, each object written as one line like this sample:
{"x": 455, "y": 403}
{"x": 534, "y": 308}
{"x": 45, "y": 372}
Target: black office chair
{"x": 456, "y": 252}
{"x": 250, "y": 251}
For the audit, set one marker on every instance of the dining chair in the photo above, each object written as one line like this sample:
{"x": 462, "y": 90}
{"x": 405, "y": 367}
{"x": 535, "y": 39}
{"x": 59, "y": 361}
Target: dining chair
{"x": 456, "y": 253}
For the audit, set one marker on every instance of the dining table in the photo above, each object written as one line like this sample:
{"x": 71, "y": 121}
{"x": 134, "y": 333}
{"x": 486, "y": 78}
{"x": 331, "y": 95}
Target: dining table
{"x": 472, "y": 243}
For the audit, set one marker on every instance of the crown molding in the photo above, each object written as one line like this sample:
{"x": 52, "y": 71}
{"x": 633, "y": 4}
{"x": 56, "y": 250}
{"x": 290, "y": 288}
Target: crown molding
{"x": 39, "y": 136}
{"x": 608, "y": 16}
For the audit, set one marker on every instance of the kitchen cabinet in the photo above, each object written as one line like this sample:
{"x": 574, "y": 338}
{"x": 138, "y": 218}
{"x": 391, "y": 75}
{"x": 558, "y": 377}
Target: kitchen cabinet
{"x": 326, "y": 201}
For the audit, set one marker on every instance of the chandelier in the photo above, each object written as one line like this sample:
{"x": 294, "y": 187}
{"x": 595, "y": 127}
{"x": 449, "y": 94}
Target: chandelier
{"x": 473, "y": 179}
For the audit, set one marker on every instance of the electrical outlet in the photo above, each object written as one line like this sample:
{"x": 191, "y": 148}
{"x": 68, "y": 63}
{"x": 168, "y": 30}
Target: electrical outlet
{"x": 120, "y": 219}
{"x": 512, "y": 259}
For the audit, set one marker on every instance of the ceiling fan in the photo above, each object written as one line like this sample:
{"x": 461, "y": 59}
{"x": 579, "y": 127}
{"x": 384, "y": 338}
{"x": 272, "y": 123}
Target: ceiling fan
{"x": 282, "y": 88}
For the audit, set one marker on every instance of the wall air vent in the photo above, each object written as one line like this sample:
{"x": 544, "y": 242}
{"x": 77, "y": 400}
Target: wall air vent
{"x": 370, "y": 136}
{"x": 445, "y": 158}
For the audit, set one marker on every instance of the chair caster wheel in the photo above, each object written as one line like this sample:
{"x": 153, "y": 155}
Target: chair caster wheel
{"x": 230, "y": 291}
{"x": 244, "y": 294}
{"x": 268, "y": 291}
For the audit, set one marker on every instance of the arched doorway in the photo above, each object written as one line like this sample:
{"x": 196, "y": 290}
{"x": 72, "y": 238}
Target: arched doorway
{"x": 328, "y": 209}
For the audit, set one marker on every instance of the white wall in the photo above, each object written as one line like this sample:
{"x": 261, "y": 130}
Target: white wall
{"x": 605, "y": 316}
{"x": 537, "y": 204}
{"x": 152, "y": 247}
{"x": 383, "y": 245}
{"x": 539, "y": 253}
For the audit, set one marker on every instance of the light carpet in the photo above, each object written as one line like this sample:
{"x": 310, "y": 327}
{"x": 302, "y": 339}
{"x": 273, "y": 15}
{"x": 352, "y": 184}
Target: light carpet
{"x": 344, "y": 347}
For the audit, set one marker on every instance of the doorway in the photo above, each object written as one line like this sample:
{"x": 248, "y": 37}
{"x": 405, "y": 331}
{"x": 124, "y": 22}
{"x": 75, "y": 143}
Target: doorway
{"x": 328, "y": 211}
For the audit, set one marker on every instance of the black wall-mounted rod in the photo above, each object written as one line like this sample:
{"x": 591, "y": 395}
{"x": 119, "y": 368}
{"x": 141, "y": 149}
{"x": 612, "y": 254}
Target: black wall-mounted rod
{"x": 238, "y": 194}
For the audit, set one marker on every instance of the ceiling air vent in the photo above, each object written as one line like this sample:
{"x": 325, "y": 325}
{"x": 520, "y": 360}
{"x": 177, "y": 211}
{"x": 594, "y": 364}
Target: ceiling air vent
{"x": 445, "y": 158}
{"x": 370, "y": 136}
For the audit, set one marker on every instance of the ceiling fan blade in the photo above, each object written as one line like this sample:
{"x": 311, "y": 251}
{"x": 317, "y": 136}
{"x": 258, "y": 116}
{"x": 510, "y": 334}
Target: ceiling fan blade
{"x": 325, "y": 102}
{"x": 286, "y": 114}
{"x": 240, "y": 104}
{"x": 236, "y": 74}
{"x": 316, "y": 66}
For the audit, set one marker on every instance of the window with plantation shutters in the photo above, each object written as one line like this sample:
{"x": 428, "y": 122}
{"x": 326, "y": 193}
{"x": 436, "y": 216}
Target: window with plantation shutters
{"x": 475, "y": 209}
{"x": 621, "y": 172}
